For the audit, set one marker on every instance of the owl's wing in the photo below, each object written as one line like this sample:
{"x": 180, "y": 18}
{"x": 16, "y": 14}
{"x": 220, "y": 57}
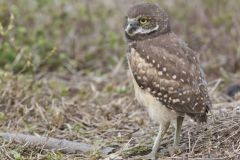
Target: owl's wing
{"x": 172, "y": 75}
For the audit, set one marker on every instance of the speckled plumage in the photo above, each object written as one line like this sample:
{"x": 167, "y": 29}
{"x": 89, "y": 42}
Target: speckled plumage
{"x": 166, "y": 67}
{"x": 166, "y": 73}
{"x": 169, "y": 70}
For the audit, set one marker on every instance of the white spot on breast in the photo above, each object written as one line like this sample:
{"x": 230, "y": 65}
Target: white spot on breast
{"x": 142, "y": 71}
{"x": 164, "y": 69}
{"x": 195, "y": 105}
{"x": 174, "y": 76}
{"x": 153, "y": 61}
{"x": 176, "y": 100}
{"x": 160, "y": 73}
{"x": 185, "y": 92}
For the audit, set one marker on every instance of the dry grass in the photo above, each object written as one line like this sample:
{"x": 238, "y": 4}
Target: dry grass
{"x": 71, "y": 83}
{"x": 90, "y": 113}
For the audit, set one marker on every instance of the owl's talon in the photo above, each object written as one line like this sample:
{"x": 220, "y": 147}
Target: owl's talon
{"x": 174, "y": 150}
{"x": 150, "y": 156}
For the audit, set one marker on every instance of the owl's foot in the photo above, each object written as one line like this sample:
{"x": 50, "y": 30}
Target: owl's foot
{"x": 150, "y": 156}
{"x": 174, "y": 150}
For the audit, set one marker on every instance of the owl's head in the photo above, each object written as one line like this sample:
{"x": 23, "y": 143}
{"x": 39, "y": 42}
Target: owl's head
{"x": 145, "y": 21}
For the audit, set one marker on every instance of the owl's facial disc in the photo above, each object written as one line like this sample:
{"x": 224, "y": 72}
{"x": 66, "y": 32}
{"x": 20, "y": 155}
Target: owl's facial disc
{"x": 140, "y": 26}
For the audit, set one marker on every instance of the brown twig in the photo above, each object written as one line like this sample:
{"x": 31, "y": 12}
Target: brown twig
{"x": 62, "y": 145}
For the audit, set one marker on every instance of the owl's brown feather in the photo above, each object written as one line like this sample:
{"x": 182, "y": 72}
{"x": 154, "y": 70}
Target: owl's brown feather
{"x": 168, "y": 69}
{"x": 166, "y": 73}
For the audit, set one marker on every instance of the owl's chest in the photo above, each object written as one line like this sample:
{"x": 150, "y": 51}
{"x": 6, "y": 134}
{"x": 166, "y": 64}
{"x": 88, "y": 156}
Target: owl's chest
{"x": 157, "y": 111}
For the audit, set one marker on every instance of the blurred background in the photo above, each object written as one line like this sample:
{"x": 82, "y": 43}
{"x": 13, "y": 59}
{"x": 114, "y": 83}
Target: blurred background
{"x": 87, "y": 35}
{"x": 63, "y": 66}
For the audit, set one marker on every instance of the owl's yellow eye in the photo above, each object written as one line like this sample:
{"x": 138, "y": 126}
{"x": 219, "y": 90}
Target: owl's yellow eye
{"x": 143, "y": 20}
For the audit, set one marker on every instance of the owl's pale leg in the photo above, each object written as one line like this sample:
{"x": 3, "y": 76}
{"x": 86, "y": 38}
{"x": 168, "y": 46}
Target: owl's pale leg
{"x": 162, "y": 130}
{"x": 178, "y": 126}
{"x": 178, "y": 130}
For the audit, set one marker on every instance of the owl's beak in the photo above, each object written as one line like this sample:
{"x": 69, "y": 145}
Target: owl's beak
{"x": 132, "y": 26}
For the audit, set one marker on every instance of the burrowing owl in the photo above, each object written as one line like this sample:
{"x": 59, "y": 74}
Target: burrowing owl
{"x": 166, "y": 73}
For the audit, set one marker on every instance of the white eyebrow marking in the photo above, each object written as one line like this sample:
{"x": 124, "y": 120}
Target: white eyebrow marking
{"x": 145, "y": 31}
